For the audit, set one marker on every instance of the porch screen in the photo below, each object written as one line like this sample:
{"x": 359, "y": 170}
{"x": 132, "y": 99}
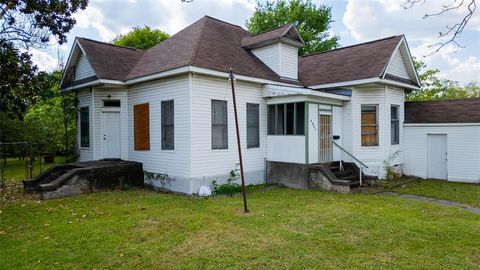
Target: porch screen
{"x": 286, "y": 119}
{"x": 167, "y": 125}
{"x": 84, "y": 127}
{"x": 219, "y": 125}
{"x": 369, "y": 125}
{"x": 141, "y": 123}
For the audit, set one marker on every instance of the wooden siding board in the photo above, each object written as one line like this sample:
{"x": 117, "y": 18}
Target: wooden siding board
{"x": 270, "y": 55}
{"x": 83, "y": 69}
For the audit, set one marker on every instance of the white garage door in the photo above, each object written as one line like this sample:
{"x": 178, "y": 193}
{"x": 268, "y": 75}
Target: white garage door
{"x": 437, "y": 156}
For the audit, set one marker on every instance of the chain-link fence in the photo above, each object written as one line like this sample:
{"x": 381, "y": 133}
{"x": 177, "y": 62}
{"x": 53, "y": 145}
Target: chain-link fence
{"x": 22, "y": 160}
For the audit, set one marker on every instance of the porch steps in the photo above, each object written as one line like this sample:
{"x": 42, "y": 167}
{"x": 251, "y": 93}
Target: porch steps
{"x": 331, "y": 177}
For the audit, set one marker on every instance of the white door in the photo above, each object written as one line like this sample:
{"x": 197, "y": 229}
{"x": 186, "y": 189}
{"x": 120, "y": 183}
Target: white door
{"x": 437, "y": 156}
{"x": 111, "y": 134}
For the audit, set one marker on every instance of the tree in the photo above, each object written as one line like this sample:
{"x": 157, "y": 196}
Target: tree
{"x": 312, "y": 21}
{"x": 142, "y": 38}
{"x": 453, "y": 31}
{"x": 32, "y": 22}
{"x": 435, "y": 87}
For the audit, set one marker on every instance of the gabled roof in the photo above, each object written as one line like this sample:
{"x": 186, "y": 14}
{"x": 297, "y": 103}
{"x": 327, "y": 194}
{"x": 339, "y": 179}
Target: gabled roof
{"x": 357, "y": 62}
{"x": 287, "y": 33}
{"x": 207, "y": 43}
{"x": 443, "y": 111}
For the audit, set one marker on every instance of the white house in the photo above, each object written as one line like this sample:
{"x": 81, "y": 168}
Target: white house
{"x": 170, "y": 107}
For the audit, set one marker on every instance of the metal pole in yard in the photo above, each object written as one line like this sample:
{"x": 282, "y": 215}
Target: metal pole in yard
{"x": 244, "y": 192}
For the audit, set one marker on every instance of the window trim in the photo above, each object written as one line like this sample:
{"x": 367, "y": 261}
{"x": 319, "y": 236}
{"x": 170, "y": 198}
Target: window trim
{"x": 370, "y": 125}
{"x": 162, "y": 125}
{"x": 87, "y": 108}
{"x": 257, "y": 126}
{"x": 223, "y": 125}
{"x": 397, "y": 120}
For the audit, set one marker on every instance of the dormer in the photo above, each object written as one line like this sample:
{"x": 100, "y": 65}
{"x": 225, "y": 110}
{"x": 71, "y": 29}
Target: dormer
{"x": 278, "y": 49}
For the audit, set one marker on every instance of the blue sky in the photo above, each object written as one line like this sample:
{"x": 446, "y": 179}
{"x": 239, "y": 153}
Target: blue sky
{"x": 355, "y": 21}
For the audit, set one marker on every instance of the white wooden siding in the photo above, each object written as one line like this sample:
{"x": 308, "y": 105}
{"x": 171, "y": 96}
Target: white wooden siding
{"x": 288, "y": 61}
{"x": 463, "y": 149}
{"x": 313, "y": 130}
{"x": 400, "y": 64}
{"x": 84, "y": 100}
{"x": 395, "y": 97}
{"x": 270, "y": 55}
{"x": 281, "y": 58}
{"x": 175, "y": 163}
{"x": 216, "y": 164}
{"x": 286, "y": 148}
{"x": 373, "y": 156}
{"x": 99, "y": 95}
{"x": 83, "y": 69}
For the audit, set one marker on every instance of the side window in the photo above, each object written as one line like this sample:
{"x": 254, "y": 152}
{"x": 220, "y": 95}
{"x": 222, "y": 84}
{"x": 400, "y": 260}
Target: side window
{"x": 253, "y": 126}
{"x": 369, "y": 125}
{"x": 168, "y": 138}
{"x": 219, "y": 124}
{"x": 141, "y": 123}
{"x": 394, "y": 124}
{"x": 84, "y": 127}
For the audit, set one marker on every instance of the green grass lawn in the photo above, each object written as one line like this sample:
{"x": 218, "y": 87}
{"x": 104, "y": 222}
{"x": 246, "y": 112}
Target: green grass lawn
{"x": 286, "y": 228}
{"x": 458, "y": 192}
{"x": 16, "y": 169}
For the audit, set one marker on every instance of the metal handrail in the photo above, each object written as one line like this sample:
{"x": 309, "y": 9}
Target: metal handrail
{"x": 354, "y": 158}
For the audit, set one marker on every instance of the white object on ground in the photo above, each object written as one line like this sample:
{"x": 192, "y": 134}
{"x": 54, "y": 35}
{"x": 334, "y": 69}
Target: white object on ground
{"x": 204, "y": 191}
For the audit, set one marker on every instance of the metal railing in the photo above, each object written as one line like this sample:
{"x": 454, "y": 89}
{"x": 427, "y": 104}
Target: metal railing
{"x": 362, "y": 165}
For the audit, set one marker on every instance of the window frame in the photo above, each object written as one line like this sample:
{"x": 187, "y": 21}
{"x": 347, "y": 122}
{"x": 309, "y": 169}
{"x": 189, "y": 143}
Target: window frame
{"x": 396, "y": 122}
{"x": 87, "y": 135}
{"x": 257, "y": 126}
{"x": 376, "y": 125}
{"x": 215, "y": 125}
{"x": 164, "y": 126}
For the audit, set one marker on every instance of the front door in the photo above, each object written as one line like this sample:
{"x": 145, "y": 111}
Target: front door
{"x": 325, "y": 143}
{"x": 111, "y": 134}
{"x": 437, "y": 156}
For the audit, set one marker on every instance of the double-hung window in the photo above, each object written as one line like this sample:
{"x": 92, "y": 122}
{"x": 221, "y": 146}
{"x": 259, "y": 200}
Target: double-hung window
{"x": 168, "y": 139}
{"x": 219, "y": 124}
{"x": 395, "y": 124}
{"x": 253, "y": 126}
{"x": 84, "y": 127}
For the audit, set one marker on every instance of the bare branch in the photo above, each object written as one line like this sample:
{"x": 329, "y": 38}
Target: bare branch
{"x": 452, "y": 31}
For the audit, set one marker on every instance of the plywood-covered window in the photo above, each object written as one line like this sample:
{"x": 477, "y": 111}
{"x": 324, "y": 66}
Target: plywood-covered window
{"x": 84, "y": 127}
{"x": 141, "y": 122}
{"x": 167, "y": 125}
{"x": 369, "y": 125}
{"x": 253, "y": 126}
{"x": 219, "y": 124}
{"x": 394, "y": 124}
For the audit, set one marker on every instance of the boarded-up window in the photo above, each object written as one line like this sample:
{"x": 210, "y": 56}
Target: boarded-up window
{"x": 84, "y": 127}
{"x": 219, "y": 125}
{"x": 253, "y": 126}
{"x": 141, "y": 121}
{"x": 395, "y": 124}
{"x": 369, "y": 125}
{"x": 167, "y": 125}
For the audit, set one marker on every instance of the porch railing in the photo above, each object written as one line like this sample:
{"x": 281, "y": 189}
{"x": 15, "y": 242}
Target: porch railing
{"x": 362, "y": 165}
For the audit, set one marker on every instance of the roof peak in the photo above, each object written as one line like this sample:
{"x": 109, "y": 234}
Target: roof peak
{"x": 218, "y": 20}
{"x": 354, "y": 45}
{"x": 273, "y": 29}
{"x": 110, "y": 44}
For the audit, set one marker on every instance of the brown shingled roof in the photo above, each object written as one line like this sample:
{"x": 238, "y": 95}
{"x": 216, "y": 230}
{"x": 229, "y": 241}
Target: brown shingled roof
{"x": 361, "y": 61}
{"x": 443, "y": 111}
{"x": 110, "y": 61}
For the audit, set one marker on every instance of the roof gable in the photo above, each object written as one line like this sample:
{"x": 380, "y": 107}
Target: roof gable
{"x": 400, "y": 65}
{"x": 78, "y": 68}
{"x": 287, "y": 34}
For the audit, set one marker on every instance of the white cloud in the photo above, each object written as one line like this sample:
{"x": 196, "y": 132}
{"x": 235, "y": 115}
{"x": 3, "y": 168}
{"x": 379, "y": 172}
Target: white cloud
{"x": 93, "y": 17}
{"x": 373, "y": 19}
{"x": 44, "y": 60}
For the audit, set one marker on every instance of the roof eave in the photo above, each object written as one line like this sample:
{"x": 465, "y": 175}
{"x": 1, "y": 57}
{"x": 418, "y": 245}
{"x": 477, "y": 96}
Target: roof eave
{"x": 366, "y": 81}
